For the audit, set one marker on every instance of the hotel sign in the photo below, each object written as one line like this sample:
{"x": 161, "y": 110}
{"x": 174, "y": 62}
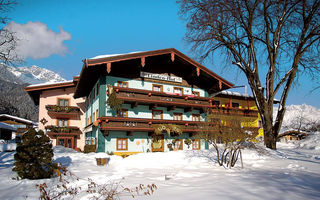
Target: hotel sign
{"x": 161, "y": 77}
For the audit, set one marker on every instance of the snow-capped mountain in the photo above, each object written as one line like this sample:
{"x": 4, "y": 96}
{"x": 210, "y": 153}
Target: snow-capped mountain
{"x": 29, "y": 75}
{"x": 297, "y": 115}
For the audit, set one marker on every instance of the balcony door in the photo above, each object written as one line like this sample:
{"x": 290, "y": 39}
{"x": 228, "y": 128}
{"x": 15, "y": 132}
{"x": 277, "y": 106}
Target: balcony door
{"x": 158, "y": 143}
{"x": 65, "y": 141}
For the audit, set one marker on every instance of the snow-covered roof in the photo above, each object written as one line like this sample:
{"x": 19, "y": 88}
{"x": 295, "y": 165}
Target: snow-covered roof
{"x": 19, "y": 119}
{"x": 7, "y": 127}
{"x": 113, "y": 55}
{"x": 233, "y": 94}
{"x": 50, "y": 83}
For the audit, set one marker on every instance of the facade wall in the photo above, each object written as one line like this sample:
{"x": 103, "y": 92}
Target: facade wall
{"x": 50, "y": 97}
{"x": 140, "y": 141}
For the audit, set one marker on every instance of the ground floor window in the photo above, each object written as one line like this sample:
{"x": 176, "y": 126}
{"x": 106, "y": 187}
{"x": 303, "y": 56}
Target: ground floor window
{"x": 196, "y": 144}
{"x": 178, "y": 144}
{"x": 122, "y": 143}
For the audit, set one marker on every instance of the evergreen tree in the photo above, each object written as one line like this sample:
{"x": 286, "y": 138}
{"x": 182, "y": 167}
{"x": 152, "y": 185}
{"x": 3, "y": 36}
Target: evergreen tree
{"x": 34, "y": 155}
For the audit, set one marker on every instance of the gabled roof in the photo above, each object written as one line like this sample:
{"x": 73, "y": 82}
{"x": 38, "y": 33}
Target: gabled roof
{"x": 159, "y": 61}
{"x": 34, "y": 91}
{"x": 17, "y": 119}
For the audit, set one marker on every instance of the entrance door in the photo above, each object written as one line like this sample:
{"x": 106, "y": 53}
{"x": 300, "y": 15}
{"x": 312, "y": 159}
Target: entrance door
{"x": 158, "y": 143}
{"x": 65, "y": 141}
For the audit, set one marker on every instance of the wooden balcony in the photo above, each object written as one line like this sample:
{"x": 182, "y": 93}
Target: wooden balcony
{"x": 171, "y": 101}
{"x": 145, "y": 125}
{"x": 226, "y": 111}
{"x": 54, "y": 131}
{"x": 63, "y": 111}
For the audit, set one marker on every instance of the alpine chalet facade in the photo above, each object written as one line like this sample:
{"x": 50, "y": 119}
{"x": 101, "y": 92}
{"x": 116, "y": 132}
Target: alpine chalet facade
{"x": 154, "y": 101}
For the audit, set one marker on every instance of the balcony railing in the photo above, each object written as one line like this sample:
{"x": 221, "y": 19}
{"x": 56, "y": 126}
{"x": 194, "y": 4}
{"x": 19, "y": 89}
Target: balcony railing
{"x": 63, "y": 111}
{"x": 227, "y": 111}
{"x": 146, "y": 125}
{"x": 172, "y": 101}
{"x": 67, "y": 130}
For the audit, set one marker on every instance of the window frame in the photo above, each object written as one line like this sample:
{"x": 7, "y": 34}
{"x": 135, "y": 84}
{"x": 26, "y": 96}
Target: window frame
{"x": 194, "y": 142}
{"x": 123, "y": 82}
{"x": 180, "y": 88}
{"x": 196, "y": 93}
{"x": 64, "y": 100}
{"x": 157, "y": 85}
{"x": 181, "y": 146}
{"x": 196, "y": 116}
{"x": 123, "y": 110}
{"x": 117, "y": 144}
{"x": 161, "y": 113}
{"x": 64, "y": 120}
{"x": 177, "y": 115}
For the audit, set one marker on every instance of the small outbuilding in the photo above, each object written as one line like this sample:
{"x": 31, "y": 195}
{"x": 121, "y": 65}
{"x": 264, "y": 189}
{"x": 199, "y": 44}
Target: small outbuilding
{"x": 292, "y": 135}
{"x": 6, "y": 131}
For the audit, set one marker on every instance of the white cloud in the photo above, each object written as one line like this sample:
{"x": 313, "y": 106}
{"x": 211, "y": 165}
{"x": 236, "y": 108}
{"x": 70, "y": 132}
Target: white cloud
{"x": 36, "y": 40}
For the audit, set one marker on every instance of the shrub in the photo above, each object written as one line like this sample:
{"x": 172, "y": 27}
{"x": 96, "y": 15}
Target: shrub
{"x": 34, "y": 156}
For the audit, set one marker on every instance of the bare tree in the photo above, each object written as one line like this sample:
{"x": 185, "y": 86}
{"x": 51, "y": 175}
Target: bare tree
{"x": 227, "y": 134}
{"x": 270, "y": 41}
{"x": 8, "y": 40}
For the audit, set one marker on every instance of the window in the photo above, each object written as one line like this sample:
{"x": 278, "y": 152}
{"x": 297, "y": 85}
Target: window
{"x": 63, "y": 102}
{"x": 94, "y": 116}
{"x": 177, "y": 116}
{"x": 178, "y": 90}
{"x": 122, "y": 143}
{"x": 197, "y": 94}
{"x": 122, "y": 84}
{"x": 97, "y": 114}
{"x": 178, "y": 144}
{"x": 196, "y": 117}
{"x": 62, "y": 122}
{"x": 216, "y": 103}
{"x": 157, "y": 88}
{"x": 196, "y": 144}
{"x": 235, "y": 105}
{"x": 156, "y": 114}
{"x": 122, "y": 113}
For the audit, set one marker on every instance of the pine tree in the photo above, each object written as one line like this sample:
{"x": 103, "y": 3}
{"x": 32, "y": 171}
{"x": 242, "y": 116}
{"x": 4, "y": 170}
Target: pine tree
{"x": 34, "y": 156}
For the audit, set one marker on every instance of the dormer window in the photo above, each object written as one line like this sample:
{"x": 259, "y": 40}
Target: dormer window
{"x": 122, "y": 84}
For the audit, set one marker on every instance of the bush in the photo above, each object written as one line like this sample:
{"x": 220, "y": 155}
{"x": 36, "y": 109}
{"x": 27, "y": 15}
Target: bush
{"x": 34, "y": 156}
{"x": 88, "y": 148}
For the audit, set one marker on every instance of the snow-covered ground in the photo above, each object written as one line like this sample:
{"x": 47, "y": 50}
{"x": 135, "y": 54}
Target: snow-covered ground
{"x": 291, "y": 172}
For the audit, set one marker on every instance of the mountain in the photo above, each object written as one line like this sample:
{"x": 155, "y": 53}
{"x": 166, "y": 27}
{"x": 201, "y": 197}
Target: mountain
{"x": 13, "y": 99}
{"x": 28, "y": 75}
{"x": 303, "y": 116}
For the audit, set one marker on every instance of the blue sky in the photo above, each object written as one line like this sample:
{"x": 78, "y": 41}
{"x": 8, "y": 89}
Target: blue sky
{"x": 85, "y": 29}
